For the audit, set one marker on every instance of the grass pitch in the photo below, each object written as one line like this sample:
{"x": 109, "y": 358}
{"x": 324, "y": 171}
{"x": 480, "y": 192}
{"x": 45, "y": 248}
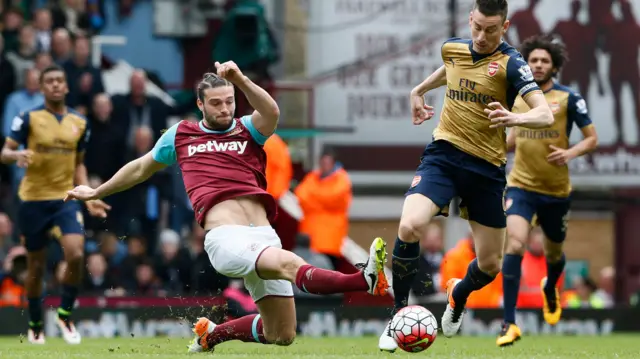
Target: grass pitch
{"x": 619, "y": 347}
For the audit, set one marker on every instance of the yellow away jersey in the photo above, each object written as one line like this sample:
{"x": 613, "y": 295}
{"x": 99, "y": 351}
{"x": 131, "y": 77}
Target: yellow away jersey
{"x": 55, "y": 140}
{"x": 531, "y": 170}
{"x": 474, "y": 81}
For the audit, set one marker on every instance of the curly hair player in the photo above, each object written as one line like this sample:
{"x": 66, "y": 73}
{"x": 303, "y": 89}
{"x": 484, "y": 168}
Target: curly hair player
{"x": 223, "y": 167}
{"x": 539, "y": 186}
{"x": 467, "y": 156}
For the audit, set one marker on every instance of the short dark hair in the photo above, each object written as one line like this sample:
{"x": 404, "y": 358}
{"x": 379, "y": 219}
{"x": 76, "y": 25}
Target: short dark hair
{"x": 553, "y": 46}
{"x": 51, "y": 68}
{"x": 492, "y": 7}
{"x": 210, "y": 80}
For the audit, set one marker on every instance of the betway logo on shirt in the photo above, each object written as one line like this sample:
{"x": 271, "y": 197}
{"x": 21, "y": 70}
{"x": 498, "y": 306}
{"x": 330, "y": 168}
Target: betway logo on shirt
{"x": 215, "y": 146}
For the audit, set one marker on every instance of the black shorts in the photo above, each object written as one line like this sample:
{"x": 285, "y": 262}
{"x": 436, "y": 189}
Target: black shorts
{"x": 446, "y": 172}
{"x": 39, "y": 221}
{"x": 551, "y": 213}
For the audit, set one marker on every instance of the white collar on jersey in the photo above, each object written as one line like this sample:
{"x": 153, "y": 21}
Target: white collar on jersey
{"x": 207, "y": 130}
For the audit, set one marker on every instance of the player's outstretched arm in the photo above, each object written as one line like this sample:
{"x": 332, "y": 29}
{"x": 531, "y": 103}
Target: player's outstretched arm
{"x": 162, "y": 155}
{"x": 266, "y": 114}
{"x": 129, "y": 175}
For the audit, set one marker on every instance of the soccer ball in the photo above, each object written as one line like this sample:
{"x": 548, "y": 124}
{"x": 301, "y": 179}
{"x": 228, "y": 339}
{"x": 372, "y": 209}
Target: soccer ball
{"x": 414, "y": 328}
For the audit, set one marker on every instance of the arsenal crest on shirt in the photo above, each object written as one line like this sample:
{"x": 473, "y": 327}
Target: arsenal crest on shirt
{"x": 493, "y": 68}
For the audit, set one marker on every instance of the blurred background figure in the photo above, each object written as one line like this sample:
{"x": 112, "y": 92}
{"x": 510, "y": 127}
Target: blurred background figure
{"x": 584, "y": 295}
{"x": 454, "y": 265}
{"x": 325, "y": 196}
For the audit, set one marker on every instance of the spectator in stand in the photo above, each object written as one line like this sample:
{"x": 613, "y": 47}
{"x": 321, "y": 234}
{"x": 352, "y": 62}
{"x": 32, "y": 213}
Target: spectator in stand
{"x": 72, "y": 15}
{"x": 103, "y": 162}
{"x": 534, "y": 268}
{"x": 85, "y": 81}
{"x": 24, "y": 57}
{"x": 43, "y": 60}
{"x": 43, "y": 26}
{"x": 23, "y": 99}
{"x": 61, "y": 49}
{"x": 454, "y": 265}
{"x": 95, "y": 12}
{"x": 136, "y": 254}
{"x": 146, "y": 281}
{"x": 428, "y": 282}
{"x": 325, "y": 196}
{"x": 12, "y": 290}
{"x": 584, "y": 295}
{"x": 279, "y": 170}
{"x": 173, "y": 264}
{"x": 279, "y": 173}
{"x": 147, "y": 209}
{"x": 101, "y": 159}
{"x": 113, "y": 250}
{"x": 7, "y": 77}
{"x": 13, "y": 20}
{"x": 606, "y": 284}
{"x": 99, "y": 281}
{"x": 136, "y": 109}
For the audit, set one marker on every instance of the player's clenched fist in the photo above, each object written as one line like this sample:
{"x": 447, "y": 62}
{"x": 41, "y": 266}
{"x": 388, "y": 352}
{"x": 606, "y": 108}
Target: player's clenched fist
{"x": 229, "y": 71}
{"x": 24, "y": 158}
{"x": 420, "y": 111}
{"x": 500, "y": 116}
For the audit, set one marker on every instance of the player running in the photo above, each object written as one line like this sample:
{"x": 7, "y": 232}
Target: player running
{"x": 539, "y": 186}
{"x": 54, "y": 137}
{"x": 468, "y": 154}
{"x": 223, "y": 167}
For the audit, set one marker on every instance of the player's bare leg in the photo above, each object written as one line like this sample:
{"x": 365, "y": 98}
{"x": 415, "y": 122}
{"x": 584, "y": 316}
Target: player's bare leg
{"x": 552, "y": 310}
{"x": 517, "y": 234}
{"x": 73, "y": 248}
{"x": 489, "y": 244}
{"x": 36, "y": 263}
{"x": 276, "y": 324}
{"x": 417, "y": 212}
{"x": 279, "y": 312}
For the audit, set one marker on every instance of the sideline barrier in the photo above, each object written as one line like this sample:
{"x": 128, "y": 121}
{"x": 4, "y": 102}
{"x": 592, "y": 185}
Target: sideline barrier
{"x": 173, "y": 317}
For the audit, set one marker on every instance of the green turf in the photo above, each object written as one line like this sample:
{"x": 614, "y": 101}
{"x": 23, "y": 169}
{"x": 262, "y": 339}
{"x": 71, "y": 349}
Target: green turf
{"x": 619, "y": 347}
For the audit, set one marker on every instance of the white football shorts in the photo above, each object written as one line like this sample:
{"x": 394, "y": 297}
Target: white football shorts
{"x": 234, "y": 250}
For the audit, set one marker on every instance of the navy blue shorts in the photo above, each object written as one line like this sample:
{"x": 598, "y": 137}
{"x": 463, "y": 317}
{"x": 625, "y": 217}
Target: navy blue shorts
{"x": 40, "y": 221}
{"x": 446, "y": 172}
{"x": 551, "y": 213}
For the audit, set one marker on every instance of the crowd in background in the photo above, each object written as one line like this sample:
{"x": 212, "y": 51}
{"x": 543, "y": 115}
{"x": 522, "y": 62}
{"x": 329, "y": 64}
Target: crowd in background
{"x": 150, "y": 245}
